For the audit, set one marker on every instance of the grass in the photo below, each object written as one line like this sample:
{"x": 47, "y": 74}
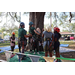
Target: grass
{"x": 71, "y": 44}
{"x": 67, "y": 42}
{"x": 5, "y": 44}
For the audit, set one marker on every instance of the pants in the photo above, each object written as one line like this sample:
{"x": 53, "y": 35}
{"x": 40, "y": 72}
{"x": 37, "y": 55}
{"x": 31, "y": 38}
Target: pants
{"x": 30, "y": 43}
{"x": 12, "y": 48}
{"x": 57, "y": 52}
{"x": 19, "y": 47}
{"x": 36, "y": 45}
{"x": 22, "y": 44}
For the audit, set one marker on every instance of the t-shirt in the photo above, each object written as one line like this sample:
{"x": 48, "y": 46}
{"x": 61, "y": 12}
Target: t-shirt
{"x": 21, "y": 32}
{"x": 12, "y": 39}
{"x": 47, "y": 34}
{"x": 32, "y": 30}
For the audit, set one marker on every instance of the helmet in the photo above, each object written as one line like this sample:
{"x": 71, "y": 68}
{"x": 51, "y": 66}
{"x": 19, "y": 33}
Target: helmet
{"x": 30, "y": 23}
{"x": 56, "y": 29}
{"x": 22, "y": 23}
{"x": 13, "y": 33}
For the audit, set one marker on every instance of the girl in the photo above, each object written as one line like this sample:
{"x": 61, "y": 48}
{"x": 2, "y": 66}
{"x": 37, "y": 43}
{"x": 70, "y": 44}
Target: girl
{"x": 57, "y": 36}
{"x": 12, "y": 41}
{"x": 38, "y": 40}
{"x": 48, "y": 39}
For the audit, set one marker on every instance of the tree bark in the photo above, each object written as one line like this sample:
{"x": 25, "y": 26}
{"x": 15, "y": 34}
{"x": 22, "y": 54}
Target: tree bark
{"x": 38, "y": 19}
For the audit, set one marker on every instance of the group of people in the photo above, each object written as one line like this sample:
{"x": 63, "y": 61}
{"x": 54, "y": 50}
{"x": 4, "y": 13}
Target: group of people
{"x": 39, "y": 40}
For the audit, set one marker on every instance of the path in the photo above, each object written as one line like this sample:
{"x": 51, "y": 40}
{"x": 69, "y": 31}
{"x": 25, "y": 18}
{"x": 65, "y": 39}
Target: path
{"x": 7, "y": 48}
{"x": 62, "y": 49}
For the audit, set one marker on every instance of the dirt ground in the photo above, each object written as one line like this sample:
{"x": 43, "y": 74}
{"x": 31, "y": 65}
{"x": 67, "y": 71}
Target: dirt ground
{"x": 66, "y": 55}
{"x": 2, "y": 57}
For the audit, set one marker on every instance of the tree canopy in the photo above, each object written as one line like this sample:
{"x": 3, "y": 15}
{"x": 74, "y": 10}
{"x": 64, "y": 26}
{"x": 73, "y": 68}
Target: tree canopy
{"x": 64, "y": 19}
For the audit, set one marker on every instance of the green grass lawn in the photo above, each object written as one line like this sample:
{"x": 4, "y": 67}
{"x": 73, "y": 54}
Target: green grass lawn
{"x": 5, "y": 44}
{"x": 67, "y": 42}
{"x": 71, "y": 44}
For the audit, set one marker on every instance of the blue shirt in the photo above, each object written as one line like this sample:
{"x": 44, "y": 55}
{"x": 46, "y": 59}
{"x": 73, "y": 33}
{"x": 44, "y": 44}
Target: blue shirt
{"x": 47, "y": 34}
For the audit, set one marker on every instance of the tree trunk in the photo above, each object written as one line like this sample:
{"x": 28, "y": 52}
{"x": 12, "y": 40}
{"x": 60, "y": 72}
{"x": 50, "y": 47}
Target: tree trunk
{"x": 32, "y": 17}
{"x": 38, "y": 19}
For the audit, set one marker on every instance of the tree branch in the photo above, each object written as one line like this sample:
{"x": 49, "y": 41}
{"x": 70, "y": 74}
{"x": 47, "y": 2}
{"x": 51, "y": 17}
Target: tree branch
{"x": 70, "y": 17}
{"x": 11, "y": 16}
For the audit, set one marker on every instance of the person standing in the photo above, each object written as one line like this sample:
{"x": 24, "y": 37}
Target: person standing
{"x": 12, "y": 41}
{"x": 22, "y": 36}
{"x": 19, "y": 42}
{"x": 32, "y": 33}
{"x": 48, "y": 39}
{"x": 57, "y": 36}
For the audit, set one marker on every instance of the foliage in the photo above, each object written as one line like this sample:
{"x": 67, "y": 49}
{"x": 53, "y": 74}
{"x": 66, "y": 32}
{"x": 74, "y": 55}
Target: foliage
{"x": 64, "y": 19}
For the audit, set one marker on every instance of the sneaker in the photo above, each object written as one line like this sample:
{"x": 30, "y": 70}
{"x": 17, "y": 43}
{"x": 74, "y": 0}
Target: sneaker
{"x": 57, "y": 61}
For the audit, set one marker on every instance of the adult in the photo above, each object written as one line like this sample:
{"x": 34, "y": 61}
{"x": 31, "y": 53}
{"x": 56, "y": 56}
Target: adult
{"x": 22, "y": 36}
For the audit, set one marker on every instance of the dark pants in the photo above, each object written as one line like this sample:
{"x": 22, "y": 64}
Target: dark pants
{"x": 36, "y": 45}
{"x": 19, "y": 47}
{"x": 12, "y": 48}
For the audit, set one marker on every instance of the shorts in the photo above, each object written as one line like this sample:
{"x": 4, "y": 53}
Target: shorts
{"x": 48, "y": 49}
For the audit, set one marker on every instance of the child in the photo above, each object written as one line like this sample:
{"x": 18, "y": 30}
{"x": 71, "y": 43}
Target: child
{"x": 38, "y": 41}
{"x": 12, "y": 43}
{"x": 57, "y": 36}
{"x": 48, "y": 39}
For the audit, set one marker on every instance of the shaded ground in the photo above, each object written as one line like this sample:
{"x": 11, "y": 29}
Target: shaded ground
{"x": 66, "y": 55}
